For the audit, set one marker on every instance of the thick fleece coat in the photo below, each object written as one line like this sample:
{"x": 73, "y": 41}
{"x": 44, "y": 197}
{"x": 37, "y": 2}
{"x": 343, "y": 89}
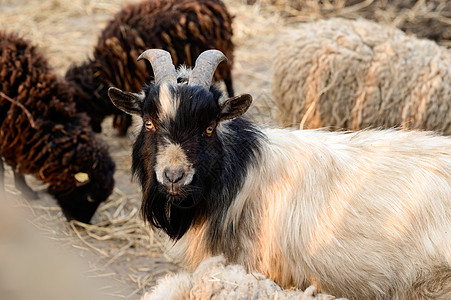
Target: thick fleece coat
{"x": 340, "y": 73}
{"x": 41, "y": 132}
{"x": 213, "y": 279}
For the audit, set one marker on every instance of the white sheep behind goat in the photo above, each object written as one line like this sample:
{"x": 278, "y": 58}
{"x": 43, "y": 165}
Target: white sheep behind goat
{"x": 216, "y": 280}
{"x": 356, "y": 74}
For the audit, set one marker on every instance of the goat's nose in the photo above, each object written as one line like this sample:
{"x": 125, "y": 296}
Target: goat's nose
{"x": 174, "y": 176}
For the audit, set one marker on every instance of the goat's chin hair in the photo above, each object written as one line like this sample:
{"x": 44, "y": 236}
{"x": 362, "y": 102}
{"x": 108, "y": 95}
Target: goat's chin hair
{"x": 172, "y": 214}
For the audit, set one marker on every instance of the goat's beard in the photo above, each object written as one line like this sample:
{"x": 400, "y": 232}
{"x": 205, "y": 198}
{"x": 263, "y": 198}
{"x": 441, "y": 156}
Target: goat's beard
{"x": 173, "y": 214}
{"x": 188, "y": 197}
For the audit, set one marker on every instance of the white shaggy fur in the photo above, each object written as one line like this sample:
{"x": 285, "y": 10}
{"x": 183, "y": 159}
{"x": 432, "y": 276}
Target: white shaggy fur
{"x": 362, "y": 215}
{"x": 213, "y": 279}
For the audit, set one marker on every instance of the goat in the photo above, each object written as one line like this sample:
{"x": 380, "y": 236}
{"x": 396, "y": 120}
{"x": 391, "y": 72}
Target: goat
{"x": 362, "y": 215}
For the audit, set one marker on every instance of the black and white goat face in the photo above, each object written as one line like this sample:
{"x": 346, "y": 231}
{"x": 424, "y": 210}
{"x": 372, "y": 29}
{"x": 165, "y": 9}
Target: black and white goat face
{"x": 180, "y": 124}
{"x": 179, "y": 153}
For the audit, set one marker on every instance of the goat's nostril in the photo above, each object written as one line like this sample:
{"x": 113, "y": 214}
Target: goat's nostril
{"x": 174, "y": 176}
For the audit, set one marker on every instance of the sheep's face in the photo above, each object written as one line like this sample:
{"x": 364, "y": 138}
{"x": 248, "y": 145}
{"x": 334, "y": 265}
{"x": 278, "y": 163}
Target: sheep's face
{"x": 89, "y": 183}
{"x": 178, "y": 155}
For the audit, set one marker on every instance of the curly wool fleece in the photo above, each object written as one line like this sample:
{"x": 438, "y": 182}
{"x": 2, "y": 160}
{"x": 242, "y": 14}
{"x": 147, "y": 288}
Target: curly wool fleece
{"x": 355, "y": 74}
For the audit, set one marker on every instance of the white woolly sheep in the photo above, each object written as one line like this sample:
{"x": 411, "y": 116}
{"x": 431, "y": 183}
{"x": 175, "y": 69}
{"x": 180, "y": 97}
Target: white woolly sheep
{"x": 361, "y": 215}
{"x": 214, "y": 279}
{"x": 340, "y": 73}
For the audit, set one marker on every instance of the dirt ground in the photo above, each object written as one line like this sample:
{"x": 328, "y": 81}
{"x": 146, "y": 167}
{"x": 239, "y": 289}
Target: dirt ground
{"x": 118, "y": 248}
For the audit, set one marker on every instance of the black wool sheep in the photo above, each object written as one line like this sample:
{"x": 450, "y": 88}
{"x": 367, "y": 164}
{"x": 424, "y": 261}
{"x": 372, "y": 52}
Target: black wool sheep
{"x": 185, "y": 28}
{"x": 41, "y": 133}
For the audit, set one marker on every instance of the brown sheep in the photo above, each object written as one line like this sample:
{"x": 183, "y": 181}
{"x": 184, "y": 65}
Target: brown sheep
{"x": 41, "y": 133}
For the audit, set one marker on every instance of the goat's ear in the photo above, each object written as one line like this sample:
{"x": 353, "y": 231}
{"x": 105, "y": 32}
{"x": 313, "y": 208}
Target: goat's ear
{"x": 234, "y": 107}
{"x": 129, "y": 103}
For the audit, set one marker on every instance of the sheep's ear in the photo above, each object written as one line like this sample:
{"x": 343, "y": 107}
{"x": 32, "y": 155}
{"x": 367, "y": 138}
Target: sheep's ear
{"x": 129, "y": 103}
{"x": 234, "y": 107}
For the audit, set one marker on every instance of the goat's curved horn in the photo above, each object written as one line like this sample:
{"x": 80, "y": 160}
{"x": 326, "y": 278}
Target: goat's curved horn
{"x": 163, "y": 68}
{"x": 205, "y": 67}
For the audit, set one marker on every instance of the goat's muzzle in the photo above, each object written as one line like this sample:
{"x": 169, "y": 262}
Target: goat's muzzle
{"x": 173, "y": 180}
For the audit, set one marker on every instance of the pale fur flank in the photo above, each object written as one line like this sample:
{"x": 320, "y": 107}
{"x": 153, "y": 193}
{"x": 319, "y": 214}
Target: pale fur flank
{"x": 173, "y": 156}
{"x": 168, "y": 104}
{"x": 363, "y": 215}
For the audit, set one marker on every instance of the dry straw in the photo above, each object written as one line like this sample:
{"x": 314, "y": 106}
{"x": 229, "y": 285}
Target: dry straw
{"x": 426, "y": 19}
{"x": 66, "y": 29}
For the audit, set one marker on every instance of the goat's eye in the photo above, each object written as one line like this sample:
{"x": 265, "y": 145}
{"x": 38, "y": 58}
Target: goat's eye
{"x": 149, "y": 125}
{"x": 210, "y": 130}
